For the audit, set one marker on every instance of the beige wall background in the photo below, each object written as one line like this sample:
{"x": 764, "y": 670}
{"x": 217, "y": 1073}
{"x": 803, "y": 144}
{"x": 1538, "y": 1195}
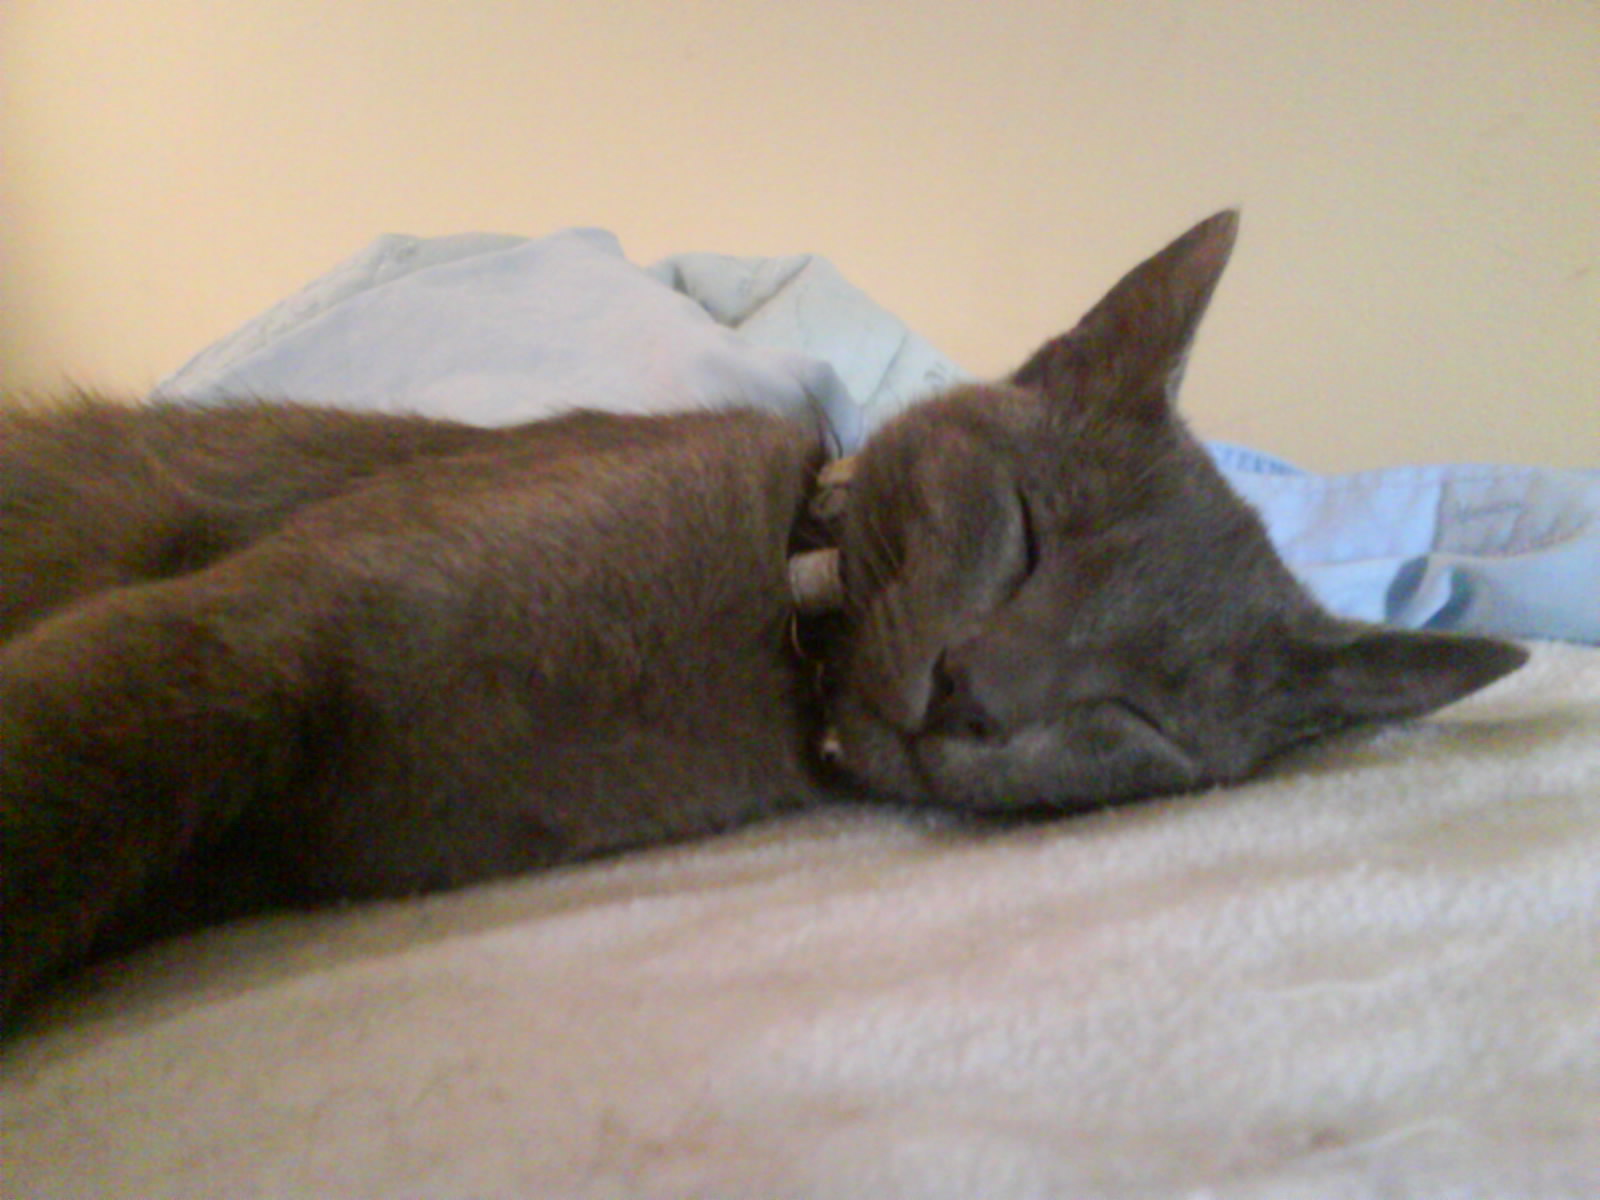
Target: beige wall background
{"x": 1421, "y": 181}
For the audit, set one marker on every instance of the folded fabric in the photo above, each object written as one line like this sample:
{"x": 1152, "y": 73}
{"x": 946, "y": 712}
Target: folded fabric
{"x": 497, "y": 329}
{"x": 1495, "y": 549}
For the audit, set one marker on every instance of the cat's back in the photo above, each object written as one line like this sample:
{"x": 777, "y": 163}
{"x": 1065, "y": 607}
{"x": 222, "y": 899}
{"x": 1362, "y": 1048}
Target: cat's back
{"x": 95, "y": 494}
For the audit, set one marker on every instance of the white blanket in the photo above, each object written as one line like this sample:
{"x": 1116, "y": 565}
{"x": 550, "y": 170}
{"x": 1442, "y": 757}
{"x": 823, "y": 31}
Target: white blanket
{"x": 1375, "y": 973}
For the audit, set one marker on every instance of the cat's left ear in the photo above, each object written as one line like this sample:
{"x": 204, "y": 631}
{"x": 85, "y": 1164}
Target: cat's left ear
{"x": 1126, "y": 356}
{"x": 1377, "y": 674}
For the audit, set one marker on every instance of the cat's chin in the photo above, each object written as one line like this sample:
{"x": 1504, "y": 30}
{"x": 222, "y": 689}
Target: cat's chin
{"x": 1087, "y": 759}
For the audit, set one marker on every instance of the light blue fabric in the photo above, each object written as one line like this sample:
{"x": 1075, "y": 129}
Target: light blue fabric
{"x": 495, "y": 330}
{"x": 498, "y": 329}
{"x": 1512, "y": 550}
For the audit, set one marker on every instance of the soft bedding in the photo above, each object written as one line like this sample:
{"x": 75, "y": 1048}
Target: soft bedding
{"x": 1373, "y": 972}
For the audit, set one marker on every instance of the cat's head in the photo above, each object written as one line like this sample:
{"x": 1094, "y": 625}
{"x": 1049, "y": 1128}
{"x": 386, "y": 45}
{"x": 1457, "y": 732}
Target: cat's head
{"x": 1052, "y": 598}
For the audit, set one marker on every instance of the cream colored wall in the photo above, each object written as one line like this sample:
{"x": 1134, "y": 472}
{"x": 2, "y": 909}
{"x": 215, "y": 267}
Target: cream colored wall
{"x": 1421, "y": 181}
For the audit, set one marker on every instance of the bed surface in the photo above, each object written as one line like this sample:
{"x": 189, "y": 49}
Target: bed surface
{"x": 1375, "y": 972}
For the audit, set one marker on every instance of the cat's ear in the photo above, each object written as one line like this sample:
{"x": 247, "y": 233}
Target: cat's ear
{"x": 1376, "y": 674}
{"x": 1126, "y": 356}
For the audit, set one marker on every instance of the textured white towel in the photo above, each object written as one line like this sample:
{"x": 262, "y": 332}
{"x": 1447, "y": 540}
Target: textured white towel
{"x": 1374, "y": 974}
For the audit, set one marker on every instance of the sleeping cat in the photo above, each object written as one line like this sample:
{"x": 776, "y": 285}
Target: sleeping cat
{"x": 268, "y": 654}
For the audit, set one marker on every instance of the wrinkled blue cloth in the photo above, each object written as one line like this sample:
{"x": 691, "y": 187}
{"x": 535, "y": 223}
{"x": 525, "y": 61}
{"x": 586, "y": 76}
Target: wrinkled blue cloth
{"x": 1493, "y": 549}
{"x": 498, "y": 329}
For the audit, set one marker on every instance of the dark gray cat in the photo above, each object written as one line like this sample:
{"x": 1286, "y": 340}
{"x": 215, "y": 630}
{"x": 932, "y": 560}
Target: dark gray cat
{"x": 269, "y": 654}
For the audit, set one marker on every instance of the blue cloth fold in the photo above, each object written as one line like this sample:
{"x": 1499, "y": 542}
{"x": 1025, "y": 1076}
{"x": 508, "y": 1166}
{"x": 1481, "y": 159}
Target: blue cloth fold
{"x": 498, "y": 329}
{"x": 1493, "y": 549}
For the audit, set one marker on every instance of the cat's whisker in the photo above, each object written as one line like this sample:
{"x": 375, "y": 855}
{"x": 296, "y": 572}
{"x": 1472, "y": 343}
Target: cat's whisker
{"x": 878, "y": 563}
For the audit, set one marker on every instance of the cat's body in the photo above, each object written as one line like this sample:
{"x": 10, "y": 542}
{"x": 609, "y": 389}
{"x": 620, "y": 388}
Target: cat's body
{"x": 279, "y": 655}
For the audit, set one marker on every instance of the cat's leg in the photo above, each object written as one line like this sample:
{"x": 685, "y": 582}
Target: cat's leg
{"x": 481, "y": 665}
{"x": 134, "y": 726}
{"x": 95, "y": 495}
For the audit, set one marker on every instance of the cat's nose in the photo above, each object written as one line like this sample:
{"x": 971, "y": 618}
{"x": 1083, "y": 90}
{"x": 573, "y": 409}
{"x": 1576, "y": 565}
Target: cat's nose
{"x": 955, "y": 707}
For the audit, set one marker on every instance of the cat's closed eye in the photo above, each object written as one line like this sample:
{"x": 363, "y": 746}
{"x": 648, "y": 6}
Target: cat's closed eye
{"x": 1030, "y": 537}
{"x": 1133, "y": 714}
